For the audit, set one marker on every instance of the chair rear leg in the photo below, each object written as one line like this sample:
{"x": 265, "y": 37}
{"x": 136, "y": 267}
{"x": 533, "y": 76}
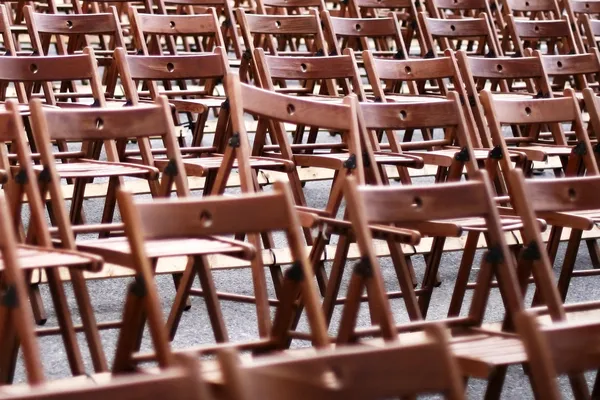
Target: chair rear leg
{"x": 181, "y": 298}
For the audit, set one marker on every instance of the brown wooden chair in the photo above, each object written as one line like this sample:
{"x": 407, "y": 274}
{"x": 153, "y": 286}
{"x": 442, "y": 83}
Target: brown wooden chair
{"x": 418, "y": 80}
{"x": 223, "y": 8}
{"x": 283, "y": 35}
{"x": 590, "y": 31}
{"x": 111, "y": 126}
{"x": 556, "y": 34}
{"x": 79, "y": 30}
{"x": 480, "y": 352}
{"x": 157, "y": 34}
{"x": 349, "y": 372}
{"x": 200, "y": 225}
{"x": 537, "y": 10}
{"x": 394, "y": 118}
{"x": 578, "y": 71}
{"x": 556, "y": 347}
{"x": 380, "y": 35}
{"x": 475, "y": 35}
{"x": 182, "y": 381}
{"x": 208, "y": 161}
{"x": 147, "y": 77}
{"x": 406, "y": 12}
{"x": 19, "y": 181}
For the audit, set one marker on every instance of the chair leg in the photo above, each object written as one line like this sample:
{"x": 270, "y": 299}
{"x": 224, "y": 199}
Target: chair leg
{"x": 9, "y": 347}
{"x": 594, "y": 250}
{"x": 567, "y": 268}
{"x": 65, "y": 322}
{"x": 110, "y": 203}
{"x": 131, "y": 330}
{"x": 405, "y": 280}
{"x": 212, "y": 301}
{"x": 495, "y": 383}
{"x": 181, "y": 298}
{"x": 335, "y": 277}
{"x": 37, "y": 304}
{"x": 579, "y": 385}
{"x": 464, "y": 271}
{"x": 89, "y": 322}
{"x": 431, "y": 271}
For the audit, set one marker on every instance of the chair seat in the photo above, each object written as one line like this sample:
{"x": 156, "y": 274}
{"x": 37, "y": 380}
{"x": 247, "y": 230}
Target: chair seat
{"x": 199, "y": 105}
{"x": 199, "y": 166}
{"x": 540, "y": 152}
{"x": 95, "y": 169}
{"x": 478, "y": 353}
{"x": 456, "y": 227}
{"x": 31, "y": 257}
{"x": 116, "y": 250}
{"x": 411, "y": 98}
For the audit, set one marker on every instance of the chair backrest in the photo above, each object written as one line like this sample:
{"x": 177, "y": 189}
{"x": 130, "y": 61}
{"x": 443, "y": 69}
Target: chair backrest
{"x": 381, "y": 35}
{"x": 283, "y": 34}
{"x": 535, "y": 113}
{"x": 349, "y": 372}
{"x": 456, "y": 9}
{"x": 557, "y": 35}
{"x": 532, "y": 9}
{"x": 288, "y": 6}
{"x": 180, "y": 382}
{"x": 250, "y": 213}
{"x": 42, "y": 27}
{"x": 109, "y": 126}
{"x": 289, "y": 35}
{"x": 148, "y": 71}
{"x": 567, "y": 68}
{"x": 445, "y": 115}
{"x": 441, "y": 34}
{"x": 223, "y": 8}
{"x": 273, "y": 110}
{"x": 411, "y": 205}
{"x": 336, "y": 73}
{"x": 405, "y": 10}
{"x": 388, "y": 77}
{"x": 155, "y": 33}
{"x": 28, "y": 71}
{"x": 101, "y": 31}
{"x": 501, "y": 74}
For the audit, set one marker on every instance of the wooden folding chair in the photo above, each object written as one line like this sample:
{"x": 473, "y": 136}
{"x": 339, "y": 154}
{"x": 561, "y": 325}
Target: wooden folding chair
{"x": 381, "y": 35}
{"x": 79, "y": 29}
{"x": 558, "y": 347}
{"x": 578, "y": 71}
{"x": 20, "y": 181}
{"x": 223, "y": 8}
{"x": 157, "y": 34}
{"x": 32, "y": 76}
{"x": 182, "y": 381}
{"x": 294, "y": 7}
{"x": 287, "y": 35}
{"x": 200, "y": 226}
{"x": 577, "y": 160}
{"x": 169, "y": 75}
{"x": 418, "y": 80}
{"x": 396, "y": 117}
{"x": 480, "y": 352}
{"x": 404, "y": 10}
{"x": 556, "y": 34}
{"x": 475, "y": 35}
{"x": 358, "y": 372}
{"x": 111, "y": 126}
{"x": 539, "y": 10}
